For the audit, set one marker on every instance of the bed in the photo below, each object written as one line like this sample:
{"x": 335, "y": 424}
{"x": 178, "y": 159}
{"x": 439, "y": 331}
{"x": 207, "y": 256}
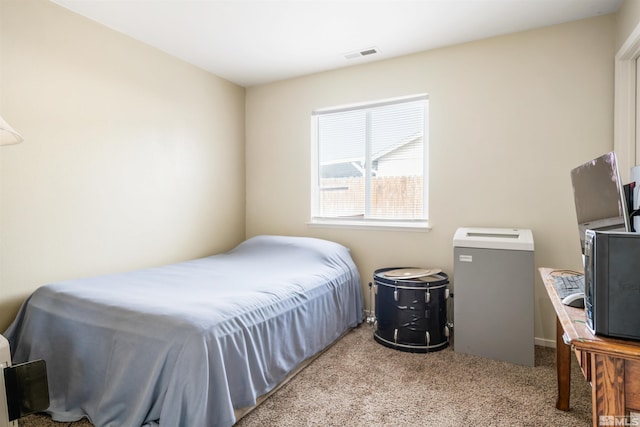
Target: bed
{"x": 187, "y": 344}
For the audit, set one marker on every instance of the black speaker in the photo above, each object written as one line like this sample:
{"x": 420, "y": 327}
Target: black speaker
{"x": 27, "y": 388}
{"x": 612, "y": 283}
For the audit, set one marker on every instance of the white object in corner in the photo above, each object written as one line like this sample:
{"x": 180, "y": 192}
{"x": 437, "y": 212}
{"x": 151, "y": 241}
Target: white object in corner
{"x": 5, "y": 362}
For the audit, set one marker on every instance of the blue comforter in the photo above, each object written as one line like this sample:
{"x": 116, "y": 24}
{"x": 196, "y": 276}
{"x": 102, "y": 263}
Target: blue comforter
{"x": 185, "y": 344}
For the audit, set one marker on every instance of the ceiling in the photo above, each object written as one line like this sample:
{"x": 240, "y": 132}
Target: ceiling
{"x": 252, "y": 42}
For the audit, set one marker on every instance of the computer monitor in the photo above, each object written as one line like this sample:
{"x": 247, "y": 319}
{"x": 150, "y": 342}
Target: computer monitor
{"x": 599, "y": 196}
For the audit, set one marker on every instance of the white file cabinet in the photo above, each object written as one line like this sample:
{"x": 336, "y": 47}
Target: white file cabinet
{"x": 493, "y": 302}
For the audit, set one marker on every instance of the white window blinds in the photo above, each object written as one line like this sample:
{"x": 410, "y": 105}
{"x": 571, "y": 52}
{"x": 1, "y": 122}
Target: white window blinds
{"x": 370, "y": 161}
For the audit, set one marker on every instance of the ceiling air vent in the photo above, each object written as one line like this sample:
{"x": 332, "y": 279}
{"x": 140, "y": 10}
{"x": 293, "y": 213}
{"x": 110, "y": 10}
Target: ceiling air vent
{"x": 359, "y": 54}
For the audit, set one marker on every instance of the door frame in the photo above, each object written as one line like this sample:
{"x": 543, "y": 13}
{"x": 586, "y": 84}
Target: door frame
{"x": 625, "y": 112}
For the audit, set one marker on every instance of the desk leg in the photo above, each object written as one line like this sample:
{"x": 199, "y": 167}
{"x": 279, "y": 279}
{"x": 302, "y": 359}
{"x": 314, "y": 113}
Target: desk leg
{"x": 563, "y": 365}
{"x": 608, "y": 393}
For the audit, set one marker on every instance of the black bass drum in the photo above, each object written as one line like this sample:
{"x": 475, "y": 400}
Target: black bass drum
{"x": 411, "y": 312}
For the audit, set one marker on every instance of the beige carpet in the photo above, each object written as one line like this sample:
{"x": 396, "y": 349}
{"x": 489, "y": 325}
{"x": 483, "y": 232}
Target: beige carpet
{"x": 358, "y": 382}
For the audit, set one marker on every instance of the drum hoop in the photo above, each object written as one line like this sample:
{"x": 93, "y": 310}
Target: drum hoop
{"x": 413, "y": 346}
{"x": 417, "y": 288}
{"x": 379, "y": 278}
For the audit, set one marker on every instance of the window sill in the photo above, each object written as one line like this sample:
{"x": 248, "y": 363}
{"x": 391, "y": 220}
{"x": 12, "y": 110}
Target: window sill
{"x": 421, "y": 226}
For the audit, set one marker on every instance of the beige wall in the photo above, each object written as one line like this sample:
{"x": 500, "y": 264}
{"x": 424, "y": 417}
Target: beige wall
{"x": 510, "y": 116}
{"x": 131, "y": 158}
{"x": 628, "y": 17}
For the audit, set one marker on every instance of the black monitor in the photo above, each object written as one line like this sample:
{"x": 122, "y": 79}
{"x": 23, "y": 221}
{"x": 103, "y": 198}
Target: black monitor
{"x": 599, "y": 196}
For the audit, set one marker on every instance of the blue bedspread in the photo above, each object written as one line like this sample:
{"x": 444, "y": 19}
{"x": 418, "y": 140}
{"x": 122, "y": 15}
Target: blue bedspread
{"x": 185, "y": 344}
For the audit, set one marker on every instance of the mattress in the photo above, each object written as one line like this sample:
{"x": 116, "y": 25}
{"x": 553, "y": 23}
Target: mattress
{"x": 185, "y": 344}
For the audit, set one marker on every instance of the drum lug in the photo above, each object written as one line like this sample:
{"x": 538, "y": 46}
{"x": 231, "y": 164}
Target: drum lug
{"x": 395, "y": 295}
{"x": 450, "y": 325}
{"x": 446, "y": 331}
{"x": 428, "y": 338}
{"x": 375, "y": 289}
{"x": 395, "y": 336}
{"x": 427, "y": 297}
{"x": 446, "y": 293}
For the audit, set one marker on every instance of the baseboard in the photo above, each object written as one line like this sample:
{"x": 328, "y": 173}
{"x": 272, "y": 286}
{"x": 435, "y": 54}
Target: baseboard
{"x": 544, "y": 342}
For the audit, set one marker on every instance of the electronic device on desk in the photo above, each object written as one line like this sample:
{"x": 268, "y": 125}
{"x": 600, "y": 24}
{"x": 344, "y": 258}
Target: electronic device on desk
{"x": 23, "y": 387}
{"x": 610, "y": 250}
{"x": 571, "y": 289}
{"x": 612, "y": 283}
{"x": 599, "y": 196}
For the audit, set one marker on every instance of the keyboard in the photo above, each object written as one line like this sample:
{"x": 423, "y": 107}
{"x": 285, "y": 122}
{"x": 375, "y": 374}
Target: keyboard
{"x": 567, "y": 285}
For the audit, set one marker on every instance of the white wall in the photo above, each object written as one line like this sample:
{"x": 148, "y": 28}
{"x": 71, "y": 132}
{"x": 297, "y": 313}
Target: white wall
{"x": 510, "y": 116}
{"x": 131, "y": 158}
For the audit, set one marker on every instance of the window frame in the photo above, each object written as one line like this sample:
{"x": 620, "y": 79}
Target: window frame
{"x": 421, "y": 224}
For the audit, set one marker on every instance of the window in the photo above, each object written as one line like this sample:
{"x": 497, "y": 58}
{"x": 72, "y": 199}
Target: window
{"x": 370, "y": 163}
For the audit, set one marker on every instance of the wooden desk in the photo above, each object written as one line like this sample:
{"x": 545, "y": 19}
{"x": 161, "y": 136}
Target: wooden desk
{"x": 612, "y": 366}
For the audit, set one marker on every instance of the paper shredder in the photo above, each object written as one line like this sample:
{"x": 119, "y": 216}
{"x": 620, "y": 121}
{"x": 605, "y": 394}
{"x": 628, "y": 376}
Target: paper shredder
{"x": 493, "y": 289}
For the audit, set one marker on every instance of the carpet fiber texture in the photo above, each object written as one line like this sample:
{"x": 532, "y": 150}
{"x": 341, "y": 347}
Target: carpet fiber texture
{"x": 358, "y": 382}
